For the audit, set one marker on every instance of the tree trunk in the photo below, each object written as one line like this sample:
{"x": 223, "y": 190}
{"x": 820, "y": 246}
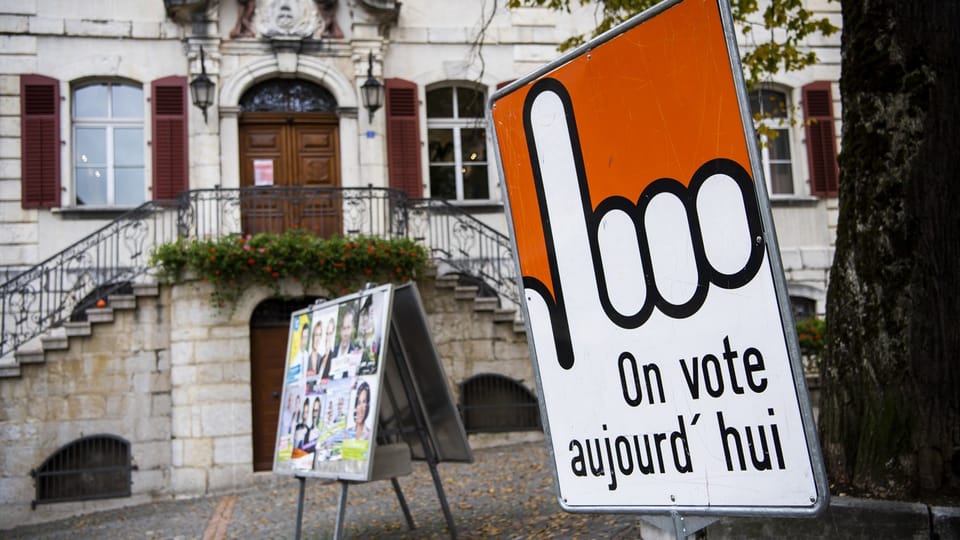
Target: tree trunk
{"x": 890, "y": 411}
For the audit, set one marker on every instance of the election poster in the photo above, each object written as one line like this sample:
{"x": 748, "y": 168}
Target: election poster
{"x": 331, "y": 387}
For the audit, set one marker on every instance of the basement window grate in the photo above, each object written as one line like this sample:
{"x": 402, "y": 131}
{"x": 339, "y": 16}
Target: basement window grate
{"x": 93, "y": 467}
{"x": 493, "y": 403}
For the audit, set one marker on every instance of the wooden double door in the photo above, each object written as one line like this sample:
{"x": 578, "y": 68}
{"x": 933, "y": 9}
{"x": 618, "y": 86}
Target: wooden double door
{"x": 290, "y": 150}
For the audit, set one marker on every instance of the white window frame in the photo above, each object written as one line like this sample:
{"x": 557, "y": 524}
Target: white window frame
{"x": 457, "y": 124}
{"x": 110, "y": 124}
{"x": 785, "y": 127}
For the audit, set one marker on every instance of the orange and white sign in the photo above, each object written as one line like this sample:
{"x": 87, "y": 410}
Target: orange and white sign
{"x": 669, "y": 372}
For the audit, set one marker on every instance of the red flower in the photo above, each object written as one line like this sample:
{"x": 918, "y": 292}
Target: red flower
{"x": 367, "y": 271}
{"x": 251, "y": 261}
{"x": 370, "y": 250}
{"x": 268, "y": 269}
{"x": 276, "y": 275}
{"x": 213, "y": 258}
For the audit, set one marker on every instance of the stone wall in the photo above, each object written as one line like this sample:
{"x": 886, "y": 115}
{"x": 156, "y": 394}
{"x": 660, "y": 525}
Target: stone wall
{"x": 171, "y": 374}
{"x": 114, "y": 381}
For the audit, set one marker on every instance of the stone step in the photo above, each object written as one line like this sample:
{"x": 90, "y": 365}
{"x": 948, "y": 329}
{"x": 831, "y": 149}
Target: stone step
{"x": 82, "y": 328}
{"x": 520, "y": 327}
{"x": 486, "y": 303}
{"x": 100, "y": 315}
{"x": 447, "y": 281}
{"x": 465, "y": 292}
{"x": 9, "y": 367}
{"x": 31, "y": 356}
{"x": 504, "y": 315}
{"x": 55, "y": 342}
{"x": 146, "y": 289}
{"x": 122, "y": 301}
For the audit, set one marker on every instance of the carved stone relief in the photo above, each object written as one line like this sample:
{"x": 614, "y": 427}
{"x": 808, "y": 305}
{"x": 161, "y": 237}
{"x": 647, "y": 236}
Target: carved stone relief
{"x": 287, "y": 19}
{"x": 328, "y": 17}
{"x": 244, "y": 26}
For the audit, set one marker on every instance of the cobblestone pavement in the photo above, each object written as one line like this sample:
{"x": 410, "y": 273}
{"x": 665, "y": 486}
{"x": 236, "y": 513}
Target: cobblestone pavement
{"x": 507, "y": 492}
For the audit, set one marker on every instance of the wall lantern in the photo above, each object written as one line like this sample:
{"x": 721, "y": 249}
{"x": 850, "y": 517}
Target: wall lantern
{"x": 202, "y": 88}
{"x": 371, "y": 90}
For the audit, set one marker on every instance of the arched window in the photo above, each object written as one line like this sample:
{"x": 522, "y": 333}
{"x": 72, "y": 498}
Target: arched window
{"x": 802, "y": 307}
{"x": 457, "y": 143}
{"x": 770, "y": 108}
{"x": 288, "y": 95}
{"x": 493, "y": 403}
{"x": 108, "y": 144}
{"x": 92, "y": 467}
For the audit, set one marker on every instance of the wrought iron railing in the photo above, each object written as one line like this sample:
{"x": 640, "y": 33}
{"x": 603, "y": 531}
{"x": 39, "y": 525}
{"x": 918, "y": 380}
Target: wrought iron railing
{"x": 110, "y": 258}
{"x": 117, "y": 255}
{"x": 471, "y": 247}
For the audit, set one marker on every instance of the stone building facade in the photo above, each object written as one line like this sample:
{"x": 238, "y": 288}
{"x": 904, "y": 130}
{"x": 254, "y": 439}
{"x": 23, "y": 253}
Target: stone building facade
{"x": 96, "y": 118}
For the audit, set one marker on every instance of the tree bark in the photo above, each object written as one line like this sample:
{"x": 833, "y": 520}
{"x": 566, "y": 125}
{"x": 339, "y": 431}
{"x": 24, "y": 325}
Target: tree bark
{"x": 890, "y": 411}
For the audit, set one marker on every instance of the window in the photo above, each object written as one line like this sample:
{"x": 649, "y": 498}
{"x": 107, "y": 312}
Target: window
{"x": 403, "y": 137}
{"x": 821, "y": 139}
{"x": 802, "y": 308}
{"x": 108, "y": 145}
{"x": 457, "y": 144}
{"x": 770, "y": 109}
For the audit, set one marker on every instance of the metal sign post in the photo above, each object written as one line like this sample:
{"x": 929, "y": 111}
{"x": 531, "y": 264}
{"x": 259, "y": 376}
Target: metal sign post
{"x": 668, "y": 366}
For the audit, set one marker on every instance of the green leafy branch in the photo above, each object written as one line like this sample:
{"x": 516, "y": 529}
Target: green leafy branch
{"x": 787, "y": 22}
{"x": 810, "y": 334}
{"x": 233, "y": 263}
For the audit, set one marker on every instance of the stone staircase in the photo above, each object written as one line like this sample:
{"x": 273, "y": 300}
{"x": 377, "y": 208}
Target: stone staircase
{"x": 443, "y": 296}
{"x": 58, "y": 339}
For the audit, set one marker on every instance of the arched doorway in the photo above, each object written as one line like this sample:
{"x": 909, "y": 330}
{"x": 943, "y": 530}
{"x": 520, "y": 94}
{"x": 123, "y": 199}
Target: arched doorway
{"x": 268, "y": 347}
{"x": 289, "y": 138}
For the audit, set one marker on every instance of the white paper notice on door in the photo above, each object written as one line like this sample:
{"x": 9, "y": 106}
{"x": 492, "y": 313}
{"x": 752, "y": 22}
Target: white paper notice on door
{"x": 263, "y": 172}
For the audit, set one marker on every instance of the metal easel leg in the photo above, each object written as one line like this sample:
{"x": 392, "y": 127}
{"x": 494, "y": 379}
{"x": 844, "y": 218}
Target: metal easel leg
{"x": 302, "y": 480}
{"x": 341, "y": 510}
{"x": 403, "y": 504}
{"x": 443, "y": 499}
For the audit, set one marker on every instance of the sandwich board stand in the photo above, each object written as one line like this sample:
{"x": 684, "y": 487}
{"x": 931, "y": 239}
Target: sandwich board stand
{"x": 364, "y": 394}
{"x": 652, "y": 282}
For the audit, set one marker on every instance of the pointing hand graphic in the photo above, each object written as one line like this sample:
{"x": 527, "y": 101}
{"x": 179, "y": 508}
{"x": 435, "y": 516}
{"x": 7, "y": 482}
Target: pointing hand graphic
{"x": 621, "y": 261}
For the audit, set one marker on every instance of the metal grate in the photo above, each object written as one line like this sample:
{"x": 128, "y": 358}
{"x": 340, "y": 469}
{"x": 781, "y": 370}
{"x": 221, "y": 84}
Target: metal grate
{"x": 94, "y": 467}
{"x": 493, "y": 403}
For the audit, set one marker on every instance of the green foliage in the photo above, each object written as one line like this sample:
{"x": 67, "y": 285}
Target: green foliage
{"x": 340, "y": 265}
{"x": 810, "y": 333}
{"x": 786, "y": 23}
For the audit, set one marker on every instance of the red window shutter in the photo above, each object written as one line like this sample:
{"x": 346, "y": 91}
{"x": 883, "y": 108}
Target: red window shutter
{"x": 39, "y": 141}
{"x": 169, "y": 109}
{"x": 403, "y": 137}
{"x": 821, "y": 139}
